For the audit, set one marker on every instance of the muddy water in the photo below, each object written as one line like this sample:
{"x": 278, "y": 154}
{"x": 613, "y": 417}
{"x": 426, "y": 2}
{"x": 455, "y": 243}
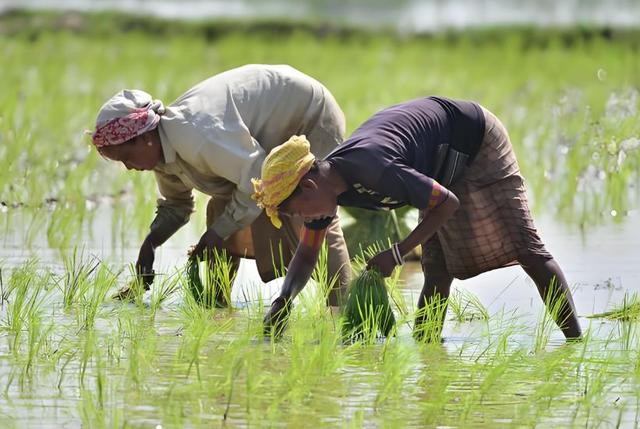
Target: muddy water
{"x": 602, "y": 265}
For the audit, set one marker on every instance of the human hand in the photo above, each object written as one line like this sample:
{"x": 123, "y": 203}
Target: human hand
{"x": 275, "y": 321}
{"x": 209, "y": 241}
{"x": 144, "y": 265}
{"x": 384, "y": 262}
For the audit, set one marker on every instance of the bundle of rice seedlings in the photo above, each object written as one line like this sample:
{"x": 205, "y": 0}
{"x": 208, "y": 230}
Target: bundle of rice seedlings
{"x": 629, "y": 310}
{"x": 215, "y": 291}
{"x": 367, "y": 311}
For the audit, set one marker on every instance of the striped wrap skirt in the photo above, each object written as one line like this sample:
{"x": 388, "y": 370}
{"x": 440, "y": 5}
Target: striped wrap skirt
{"x": 493, "y": 227}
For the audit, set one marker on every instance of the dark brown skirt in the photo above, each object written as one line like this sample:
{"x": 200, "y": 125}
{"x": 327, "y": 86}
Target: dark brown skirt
{"x": 493, "y": 227}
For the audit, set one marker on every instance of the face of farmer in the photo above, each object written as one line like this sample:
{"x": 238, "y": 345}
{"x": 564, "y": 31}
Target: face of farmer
{"x": 140, "y": 153}
{"x": 312, "y": 200}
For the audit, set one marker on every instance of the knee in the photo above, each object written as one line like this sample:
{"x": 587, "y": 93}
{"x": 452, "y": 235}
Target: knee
{"x": 532, "y": 260}
{"x": 435, "y": 273}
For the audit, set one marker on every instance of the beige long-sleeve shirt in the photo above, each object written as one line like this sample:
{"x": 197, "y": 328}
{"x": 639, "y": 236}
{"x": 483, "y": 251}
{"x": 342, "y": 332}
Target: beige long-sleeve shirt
{"x": 216, "y": 136}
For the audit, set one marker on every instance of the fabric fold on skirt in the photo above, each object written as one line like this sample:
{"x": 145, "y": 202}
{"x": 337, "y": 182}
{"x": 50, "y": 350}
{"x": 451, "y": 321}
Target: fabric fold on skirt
{"x": 493, "y": 227}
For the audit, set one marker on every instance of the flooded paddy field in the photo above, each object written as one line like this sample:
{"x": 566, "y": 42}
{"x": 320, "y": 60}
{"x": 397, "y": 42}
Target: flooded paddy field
{"x": 71, "y": 224}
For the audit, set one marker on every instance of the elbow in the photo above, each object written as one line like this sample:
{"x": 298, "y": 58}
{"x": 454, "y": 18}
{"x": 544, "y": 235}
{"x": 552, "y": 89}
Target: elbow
{"x": 452, "y": 204}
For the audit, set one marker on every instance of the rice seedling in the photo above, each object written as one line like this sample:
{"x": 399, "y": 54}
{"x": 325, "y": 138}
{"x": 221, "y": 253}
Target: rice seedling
{"x": 313, "y": 347}
{"x": 595, "y": 387}
{"x": 76, "y": 279}
{"x": 38, "y": 336}
{"x": 215, "y": 291}
{"x": 3, "y": 294}
{"x": 435, "y": 382}
{"x": 95, "y": 296}
{"x": 25, "y": 298}
{"x": 86, "y": 353}
{"x": 628, "y": 311}
{"x": 395, "y": 368}
{"x": 555, "y": 303}
{"x": 163, "y": 290}
{"x": 277, "y": 262}
{"x": 140, "y": 349}
{"x": 430, "y": 320}
{"x": 93, "y": 405}
{"x": 65, "y": 357}
{"x": 199, "y": 328}
{"x": 321, "y": 275}
{"x": 466, "y": 307}
{"x": 367, "y": 311}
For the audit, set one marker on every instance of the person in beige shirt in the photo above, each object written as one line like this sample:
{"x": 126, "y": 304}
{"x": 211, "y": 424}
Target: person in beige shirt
{"x": 214, "y": 139}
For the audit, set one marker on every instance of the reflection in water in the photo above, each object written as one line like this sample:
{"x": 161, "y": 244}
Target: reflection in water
{"x": 191, "y": 367}
{"x": 601, "y": 264}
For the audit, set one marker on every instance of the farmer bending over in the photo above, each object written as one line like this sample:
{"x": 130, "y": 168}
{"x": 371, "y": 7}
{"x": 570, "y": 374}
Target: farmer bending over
{"x": 450, "y": 159}
{"x": 214, "y": 138}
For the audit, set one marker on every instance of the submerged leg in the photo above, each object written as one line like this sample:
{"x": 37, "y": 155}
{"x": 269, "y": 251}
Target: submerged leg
{"x": 215, "y": 207}
{"x": 223, "y": 297}
{"x": 554, "y": 290}
{"x": 432, "y": 305}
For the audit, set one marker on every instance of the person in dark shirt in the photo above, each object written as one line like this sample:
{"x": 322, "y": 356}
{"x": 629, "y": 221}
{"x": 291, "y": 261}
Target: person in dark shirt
{"x": 450, "y": 159}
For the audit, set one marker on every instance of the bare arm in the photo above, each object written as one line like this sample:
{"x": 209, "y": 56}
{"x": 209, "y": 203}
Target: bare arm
{"x": 174, "y": 210}
{"x": 298, "y": 275}
{"x": 435, "y": 216}
{"x": 433, "y": 219}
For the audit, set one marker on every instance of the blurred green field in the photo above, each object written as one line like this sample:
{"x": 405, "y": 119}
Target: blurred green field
{"x": 569, "y": 100}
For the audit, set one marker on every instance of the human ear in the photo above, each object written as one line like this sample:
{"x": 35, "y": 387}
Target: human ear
{"x": 308, "y": 184}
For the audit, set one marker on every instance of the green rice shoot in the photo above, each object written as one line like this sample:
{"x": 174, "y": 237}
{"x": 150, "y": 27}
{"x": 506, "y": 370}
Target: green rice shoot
{"x": 367, "y": 311}
{"x": 215, "y": 291}
{"x": 630, "y": 310}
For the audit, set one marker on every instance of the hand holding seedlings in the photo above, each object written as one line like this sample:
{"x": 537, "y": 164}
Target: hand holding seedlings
{"x": 144, "y": 264}
{"x": 144, "y": 274}
{"x": 384, "y": 261}
{"x": 276, "y": 318}
{"x": 208, "y": 242}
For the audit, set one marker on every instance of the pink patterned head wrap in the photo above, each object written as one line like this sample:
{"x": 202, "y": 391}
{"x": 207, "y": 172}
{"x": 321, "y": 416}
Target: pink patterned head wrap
{"x": 126, "y": 115}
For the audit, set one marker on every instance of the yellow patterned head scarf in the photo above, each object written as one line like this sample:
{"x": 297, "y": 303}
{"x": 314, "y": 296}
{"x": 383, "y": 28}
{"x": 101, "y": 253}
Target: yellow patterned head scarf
{"x": 281, "y": 172}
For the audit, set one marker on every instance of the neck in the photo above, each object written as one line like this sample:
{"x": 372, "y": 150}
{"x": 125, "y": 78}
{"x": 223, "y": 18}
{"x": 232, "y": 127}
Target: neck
{"x": 155, "y": 138}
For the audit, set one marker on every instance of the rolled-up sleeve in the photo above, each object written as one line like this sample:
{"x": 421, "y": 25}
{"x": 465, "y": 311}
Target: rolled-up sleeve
{"x": 175, "y": 205}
